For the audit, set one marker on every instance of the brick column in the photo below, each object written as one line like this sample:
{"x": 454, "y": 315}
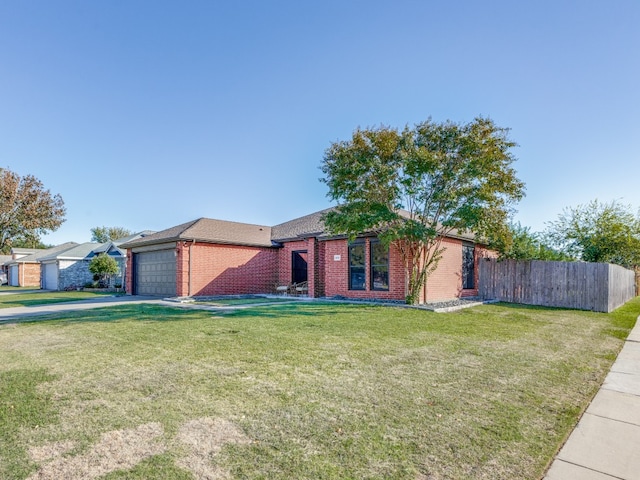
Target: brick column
{"x": 312, "y": 264}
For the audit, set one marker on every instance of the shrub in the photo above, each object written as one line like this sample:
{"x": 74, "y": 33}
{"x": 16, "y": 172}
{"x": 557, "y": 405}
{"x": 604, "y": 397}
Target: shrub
{"x": 104, "y": 266}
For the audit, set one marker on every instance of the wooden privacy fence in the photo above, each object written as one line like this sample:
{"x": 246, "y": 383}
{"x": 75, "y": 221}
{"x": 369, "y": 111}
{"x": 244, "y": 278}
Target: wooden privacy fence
{"x": 601, "y": 287}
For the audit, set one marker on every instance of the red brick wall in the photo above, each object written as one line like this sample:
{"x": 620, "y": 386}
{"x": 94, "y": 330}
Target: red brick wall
{"x": 446, "y": 282}
{"x": 443, "y": 284}
{"x": 284, "y": 260}
{"x": 128, "y": 274}
{"x": 229, "y": 269}
{"x": 182, "y": 269}
{"x": 226, "y": 269}
{"x": 29, "y": 274}
{"x": 336, "y": 272}
{"x": 320, "y": 280}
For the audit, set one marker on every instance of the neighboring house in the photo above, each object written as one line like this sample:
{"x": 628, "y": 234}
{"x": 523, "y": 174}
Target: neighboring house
{"x": 216, "y": 257}
{"x": 112, "y": 249}
{"x": 67, "y": 268}
{"x": 24, "y": 268}
{"x": 70, "y": 268}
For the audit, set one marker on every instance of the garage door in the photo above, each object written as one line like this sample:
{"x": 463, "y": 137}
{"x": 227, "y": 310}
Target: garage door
{"x": 14, "y": 281}
{"x": 155, "y": 273}
{"x": 50, "y": 276}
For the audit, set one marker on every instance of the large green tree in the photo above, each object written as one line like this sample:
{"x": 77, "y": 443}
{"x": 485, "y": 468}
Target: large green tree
{"x": 27, "y": 210}
{"x": 106, "y": 234}
{"x": 417, "y": 185}
{"x": 598, "y": 232}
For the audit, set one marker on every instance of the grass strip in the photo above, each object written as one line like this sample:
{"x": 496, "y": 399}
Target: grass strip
{"x": 46, "y": 297}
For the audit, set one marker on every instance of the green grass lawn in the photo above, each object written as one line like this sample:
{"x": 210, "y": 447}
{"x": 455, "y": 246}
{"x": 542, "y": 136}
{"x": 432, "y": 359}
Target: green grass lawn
{"x": 44, "y": 297}
{"x": 299, "y": 391}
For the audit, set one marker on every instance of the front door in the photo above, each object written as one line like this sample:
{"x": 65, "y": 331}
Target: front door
{"x": 299, "y": 266}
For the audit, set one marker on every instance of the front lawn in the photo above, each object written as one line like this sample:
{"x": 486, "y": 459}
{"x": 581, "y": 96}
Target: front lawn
{"x": 44, "y": 297}
{"x": 299, "y": 391}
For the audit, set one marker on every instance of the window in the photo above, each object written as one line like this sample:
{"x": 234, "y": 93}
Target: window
{"x": 379, "y": 266}
{"x": 356, "y": 266}
{"x": 468, "y": 273}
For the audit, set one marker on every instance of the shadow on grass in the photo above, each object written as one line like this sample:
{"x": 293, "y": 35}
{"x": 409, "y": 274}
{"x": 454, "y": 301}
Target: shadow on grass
{"x": 522, "y": 306}
{"x": 157, "y": 313}
{"x": 102, "y": 314}
{"x": 622, "y": 319}
{"x": 44, "y": 298}
{"x": 311, "y": 309}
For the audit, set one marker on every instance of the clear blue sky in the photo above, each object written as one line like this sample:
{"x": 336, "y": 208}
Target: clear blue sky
{"x": 147, "y": 114}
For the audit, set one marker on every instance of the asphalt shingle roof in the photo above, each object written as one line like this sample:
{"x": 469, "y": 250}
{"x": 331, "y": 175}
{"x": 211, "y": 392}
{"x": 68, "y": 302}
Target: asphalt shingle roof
{"x": 36, "y": 257}
{"x": 27, "y": 251}
{"x": 311, "y": 224}
{"x": 211, "y": 231}
{"x": 115, "y": 244}
{"x": 235, "y": 233}
{"x": 74, "y": 252}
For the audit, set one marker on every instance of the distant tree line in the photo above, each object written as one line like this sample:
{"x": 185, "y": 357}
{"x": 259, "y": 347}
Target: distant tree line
{"x": 595, "y": 232}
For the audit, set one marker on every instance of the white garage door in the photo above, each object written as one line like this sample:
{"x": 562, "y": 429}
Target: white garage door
{"x": 50, "y": 276}
{"x": 155, "y": 273}
{"x": 13, "y": 276}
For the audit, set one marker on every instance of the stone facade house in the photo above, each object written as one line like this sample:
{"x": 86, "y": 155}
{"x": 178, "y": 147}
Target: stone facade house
{"x": 69, "y": 268}
{"x": 215, "y": 257}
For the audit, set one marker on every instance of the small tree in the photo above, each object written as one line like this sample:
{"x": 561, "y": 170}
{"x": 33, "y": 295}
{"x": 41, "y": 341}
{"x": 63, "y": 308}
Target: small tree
{"x": 105, "y": 267}
{"x": 106, "y": 234}
{"x": 416, "y": 186}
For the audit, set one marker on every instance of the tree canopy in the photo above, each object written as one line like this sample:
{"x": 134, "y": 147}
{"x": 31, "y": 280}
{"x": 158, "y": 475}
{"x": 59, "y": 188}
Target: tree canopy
{"x": 519, "y": 243}
{"x": 417, "y": 185}
{"x": 106, "y": 234}
{"x": 27, "y": 210}
{"x": 598, "y": 232}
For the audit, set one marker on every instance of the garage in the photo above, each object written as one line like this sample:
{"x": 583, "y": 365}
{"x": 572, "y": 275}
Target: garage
{"x": 154, "y": 273}
{"x": 50, "y": 276}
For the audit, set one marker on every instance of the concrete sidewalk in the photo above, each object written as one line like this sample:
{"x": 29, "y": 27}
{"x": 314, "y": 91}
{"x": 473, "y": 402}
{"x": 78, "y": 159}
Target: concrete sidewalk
{"x": 605, "y": 444}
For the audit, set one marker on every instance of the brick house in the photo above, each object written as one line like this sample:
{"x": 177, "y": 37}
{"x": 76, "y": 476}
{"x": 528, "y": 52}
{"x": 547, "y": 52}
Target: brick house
{"x": 216, "y": 257}
{"x": 24, "y": 269}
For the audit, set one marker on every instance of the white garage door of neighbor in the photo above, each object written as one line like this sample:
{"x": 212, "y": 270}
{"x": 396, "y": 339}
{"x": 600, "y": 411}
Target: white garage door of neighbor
{"x": 50, "y": 276}
{"x": 13, "y": 276}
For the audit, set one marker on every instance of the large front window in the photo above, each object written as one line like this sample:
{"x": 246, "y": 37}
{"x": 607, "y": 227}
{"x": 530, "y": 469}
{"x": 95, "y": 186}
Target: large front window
{"x": 468, "y": 262}
{"x": 379, "y": 266}
{"x": 357, "y": 266}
